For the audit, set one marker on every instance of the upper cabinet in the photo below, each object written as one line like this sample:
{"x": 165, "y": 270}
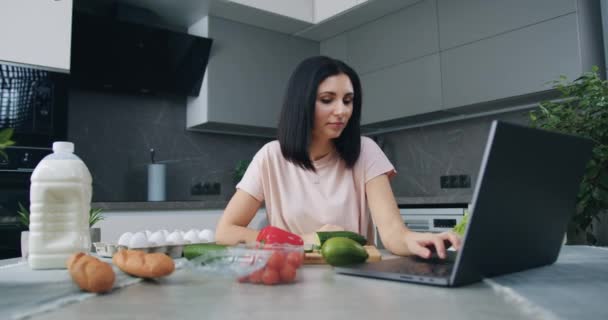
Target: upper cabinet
{"x": 444, "y": 58}
{"x": 36, "y": 33}
{"x": 512, "y": 49}
{"x": 246, "y": 77}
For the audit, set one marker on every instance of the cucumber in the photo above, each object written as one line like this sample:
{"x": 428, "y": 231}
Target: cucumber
{"x": 340, "y": 251}
{"x": 323, "y": 236}
{"x": 192, "y": 251}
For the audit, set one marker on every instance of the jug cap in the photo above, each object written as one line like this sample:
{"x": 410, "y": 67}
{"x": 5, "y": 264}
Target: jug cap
{"x": 63, "y": 146}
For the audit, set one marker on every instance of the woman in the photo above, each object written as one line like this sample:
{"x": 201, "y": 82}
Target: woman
{"x": 321, "y": 174}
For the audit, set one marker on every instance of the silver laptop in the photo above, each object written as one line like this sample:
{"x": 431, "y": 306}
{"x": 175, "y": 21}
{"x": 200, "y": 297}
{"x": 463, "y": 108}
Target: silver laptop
{"x": 524, "y": 197}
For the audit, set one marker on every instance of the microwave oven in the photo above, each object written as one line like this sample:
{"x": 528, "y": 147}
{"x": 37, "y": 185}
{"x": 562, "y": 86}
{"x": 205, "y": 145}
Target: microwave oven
{"x": 33, "y": 103}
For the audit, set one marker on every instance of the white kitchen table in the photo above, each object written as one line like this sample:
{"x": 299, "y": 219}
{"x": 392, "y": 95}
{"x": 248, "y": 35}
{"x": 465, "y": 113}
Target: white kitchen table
{"x": 573, "y": 288}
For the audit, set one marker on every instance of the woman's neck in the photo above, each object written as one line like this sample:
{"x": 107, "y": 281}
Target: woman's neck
{"x": 319, "y": 149}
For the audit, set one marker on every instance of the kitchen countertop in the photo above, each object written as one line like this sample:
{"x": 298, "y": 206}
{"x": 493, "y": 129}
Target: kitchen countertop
{"x": 221, "y": 204}
{"x": 573, "y": 288}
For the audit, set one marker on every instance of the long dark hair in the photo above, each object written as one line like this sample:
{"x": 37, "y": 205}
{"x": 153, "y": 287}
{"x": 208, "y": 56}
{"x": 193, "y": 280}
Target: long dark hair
{"x": 298, "y": 113}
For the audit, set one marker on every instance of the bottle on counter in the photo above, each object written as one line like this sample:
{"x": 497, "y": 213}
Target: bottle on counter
{"x": 60, "y": 201}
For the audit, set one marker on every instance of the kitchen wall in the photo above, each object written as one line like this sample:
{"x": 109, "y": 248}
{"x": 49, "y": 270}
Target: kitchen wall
{"x": 113, "y": 134}
{"x": 422, "y": 154}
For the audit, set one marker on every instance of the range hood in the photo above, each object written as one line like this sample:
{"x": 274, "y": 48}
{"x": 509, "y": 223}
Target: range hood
{"x": 109, "y": 54}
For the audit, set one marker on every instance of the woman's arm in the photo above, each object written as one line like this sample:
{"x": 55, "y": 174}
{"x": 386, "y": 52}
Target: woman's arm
{"x": 232, "y": 227}
{"x": 394, "y": 234}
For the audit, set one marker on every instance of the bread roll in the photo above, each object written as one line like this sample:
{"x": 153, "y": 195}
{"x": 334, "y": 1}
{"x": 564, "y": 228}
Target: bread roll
{"x": 144, "y": 265}
{"x": 91, "y": 274}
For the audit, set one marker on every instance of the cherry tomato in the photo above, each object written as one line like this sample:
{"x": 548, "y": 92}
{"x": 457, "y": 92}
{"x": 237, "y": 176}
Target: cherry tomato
{"x": 270, "y": 276}
{"x": 256, "y": 276}
{"x": 276, "y": 260}
{"x": 295, "y": 259}
{"x": 288, "y": 273}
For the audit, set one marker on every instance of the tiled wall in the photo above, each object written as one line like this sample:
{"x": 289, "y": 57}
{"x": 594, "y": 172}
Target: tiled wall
{"x": 421, "y": 155}
{"x": 113, "y": 134}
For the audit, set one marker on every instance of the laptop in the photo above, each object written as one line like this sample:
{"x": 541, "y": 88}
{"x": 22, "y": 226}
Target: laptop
{"x": 524, "y": 198}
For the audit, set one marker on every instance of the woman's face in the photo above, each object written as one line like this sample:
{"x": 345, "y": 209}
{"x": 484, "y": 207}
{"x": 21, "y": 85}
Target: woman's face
{"x": 333, "y": 106}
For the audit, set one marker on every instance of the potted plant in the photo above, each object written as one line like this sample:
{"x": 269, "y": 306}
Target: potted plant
{"x": 95, "y": 216}
{"x": 239, "y": 170}
{"x": 582, "y": 111}
{"x": 5, "y": 141}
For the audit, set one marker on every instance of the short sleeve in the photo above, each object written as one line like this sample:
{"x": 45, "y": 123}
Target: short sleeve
{"x": 252, "y": 179}
{"x": 374, "y": 161}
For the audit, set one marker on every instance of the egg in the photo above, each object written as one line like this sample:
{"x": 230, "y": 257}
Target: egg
{"x": 207, "y": 235}
{"x": 192, "y": 236}
{"x": 138, "y": 240}
{"x": 148, "y": 234}
{"x": 175, "y": 238}
{"x": 158, "y": 238}
{"x": 124, "y": 239}
{"x": 165, "y": 232}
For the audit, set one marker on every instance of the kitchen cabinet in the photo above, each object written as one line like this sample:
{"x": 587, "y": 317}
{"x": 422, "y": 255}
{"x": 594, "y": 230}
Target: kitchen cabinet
{"x": 396, "y": 38}
{"x": 36, "y": 33}
{"x": 466, "y": 21}
{"x": 437, "y": 59}
{"x": 246, "y": 78}
{"x": 406, "y": 89}
{"x": 512, "y": 64}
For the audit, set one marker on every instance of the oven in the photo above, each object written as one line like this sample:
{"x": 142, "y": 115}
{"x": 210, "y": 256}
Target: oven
{"x": 34, "y": 104}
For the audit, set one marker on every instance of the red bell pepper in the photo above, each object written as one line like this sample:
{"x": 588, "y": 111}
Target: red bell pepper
{"x": 270, "y": 235}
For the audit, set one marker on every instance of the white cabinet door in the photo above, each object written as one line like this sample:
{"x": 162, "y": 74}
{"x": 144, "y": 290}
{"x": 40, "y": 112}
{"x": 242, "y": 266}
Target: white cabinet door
{"x": 36, "y": 32}
{"x": 465, "y": 21}
{"x": 246, "y": 78}
{"x": 404, "y": 90}
{"x": 511, "y": 64}
{"x": 396, "y": 38}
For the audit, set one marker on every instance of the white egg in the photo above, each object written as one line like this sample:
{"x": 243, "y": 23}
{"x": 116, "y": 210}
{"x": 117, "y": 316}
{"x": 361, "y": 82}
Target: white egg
{"x": 165, "y": 232}
{"x": 191, "y": 236}
{"x": 138, "y": 240}
{"x": 124, "y": 239}
{"x": 207, "y": 235}
{"x": 148, "y": 234}
{"x": 158, "y": 238}
{"x": 175, "y": 238}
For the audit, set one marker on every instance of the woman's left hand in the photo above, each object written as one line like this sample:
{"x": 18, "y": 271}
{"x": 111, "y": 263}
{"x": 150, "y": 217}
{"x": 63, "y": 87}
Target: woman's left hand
{"x": 421, "y": 244}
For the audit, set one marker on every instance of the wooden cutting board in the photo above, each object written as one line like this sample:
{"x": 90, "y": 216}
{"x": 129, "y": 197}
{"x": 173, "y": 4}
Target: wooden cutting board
{"x": 316, "y": 258}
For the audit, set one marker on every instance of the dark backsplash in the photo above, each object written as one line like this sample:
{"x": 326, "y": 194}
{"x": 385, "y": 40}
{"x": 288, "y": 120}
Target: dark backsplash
{"x": 422, "y": 155}
{"x": 113, "y": 134}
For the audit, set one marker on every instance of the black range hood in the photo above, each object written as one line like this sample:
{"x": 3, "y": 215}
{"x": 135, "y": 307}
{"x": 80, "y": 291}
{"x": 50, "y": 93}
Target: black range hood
{"x": 109, "y": 54}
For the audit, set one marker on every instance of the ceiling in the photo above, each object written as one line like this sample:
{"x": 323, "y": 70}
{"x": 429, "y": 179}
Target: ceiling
{"x": 179, "y": 14}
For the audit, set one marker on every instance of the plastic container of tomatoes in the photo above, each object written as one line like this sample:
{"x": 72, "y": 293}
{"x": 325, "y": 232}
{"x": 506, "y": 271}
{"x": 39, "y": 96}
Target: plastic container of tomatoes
{"x": 280, "y": 268}
{"x": 257, "y": 263}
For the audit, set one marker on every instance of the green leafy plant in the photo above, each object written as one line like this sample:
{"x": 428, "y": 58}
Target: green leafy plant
{"x": 239, "y": 170}
{"x": 462, "y": 225}
{"x": 582, "y": 111}
{"x": 95, "y": 215}
{"x": 24, "y": 216}
{"x": 5, "y": 141}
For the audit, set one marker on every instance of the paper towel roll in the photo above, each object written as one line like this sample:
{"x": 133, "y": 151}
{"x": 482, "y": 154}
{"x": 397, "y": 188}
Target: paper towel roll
{"x": 156, "y": 182}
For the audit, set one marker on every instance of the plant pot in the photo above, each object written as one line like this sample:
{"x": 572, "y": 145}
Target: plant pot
{"x": 95, "y": 237}
{"x": 25, "y": 237}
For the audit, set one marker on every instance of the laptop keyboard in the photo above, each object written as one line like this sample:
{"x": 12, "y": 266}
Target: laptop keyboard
{"x": 432, "y": 267}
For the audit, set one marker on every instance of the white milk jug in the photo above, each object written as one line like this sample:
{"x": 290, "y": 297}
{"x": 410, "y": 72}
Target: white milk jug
{"x": 60, "y": 200}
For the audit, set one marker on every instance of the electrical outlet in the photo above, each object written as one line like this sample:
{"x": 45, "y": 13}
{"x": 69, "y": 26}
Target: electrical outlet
{"x": 205, "y": 189}
{"x": 455, "y": 181}
{"x": 464, "y": 181}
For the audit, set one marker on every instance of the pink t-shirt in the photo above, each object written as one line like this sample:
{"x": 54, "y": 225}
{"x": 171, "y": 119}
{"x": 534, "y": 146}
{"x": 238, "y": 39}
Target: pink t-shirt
{"x": 301, "y": 201}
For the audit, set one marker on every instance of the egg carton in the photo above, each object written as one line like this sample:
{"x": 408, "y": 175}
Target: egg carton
{"x": 108, "y": 249}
